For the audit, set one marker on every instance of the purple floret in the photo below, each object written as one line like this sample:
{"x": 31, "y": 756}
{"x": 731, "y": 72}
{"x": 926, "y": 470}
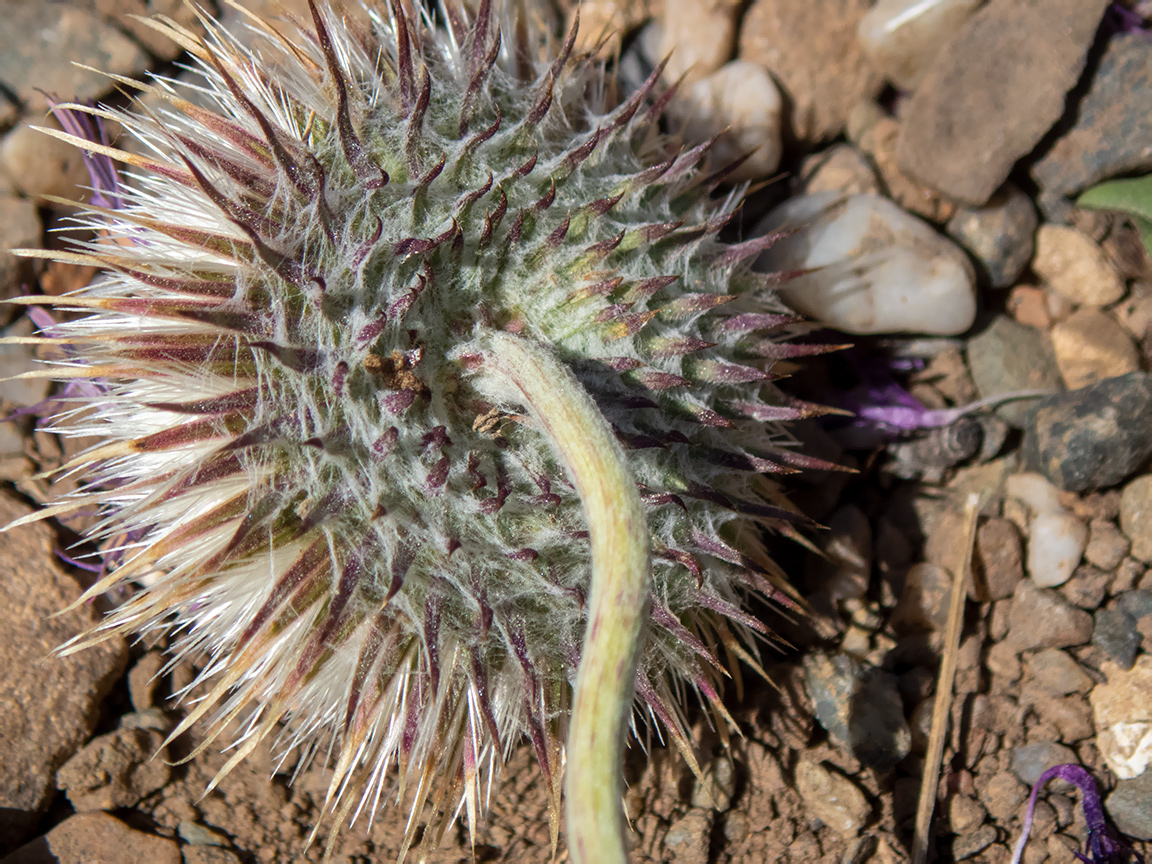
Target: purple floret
{"x": 1104, "y": 847}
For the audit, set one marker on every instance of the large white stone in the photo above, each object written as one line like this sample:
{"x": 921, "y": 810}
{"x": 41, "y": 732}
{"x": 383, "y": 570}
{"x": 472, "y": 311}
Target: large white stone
{"x": 874, "y": 268}
{"x": 903, "y": 37}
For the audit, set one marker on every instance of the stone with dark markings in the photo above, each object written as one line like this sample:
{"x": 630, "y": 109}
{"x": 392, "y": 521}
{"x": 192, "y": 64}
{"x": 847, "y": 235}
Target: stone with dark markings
{"x": 1093, "y": 437}
{"x": 1112, "y": 133}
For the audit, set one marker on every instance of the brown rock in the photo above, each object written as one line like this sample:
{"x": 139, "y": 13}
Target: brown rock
{"x": 41, "y": 43}
{"x": 1090, "y": 346}
{"x": 831, "y": 798}
{"x": 1087, "y": 587}
{"x": 1136, "y": 516}
{"x": 1071, "y": 715}
{"x": 603, "y": 23}
{"x": 1076, "y": 267}
{"x": 1026, "y": 305}
{"x": 880, "y": 143}
{"x": 923, "y": 604}
{"x": 994, "y": 92}
{"x": 1004, "y": 661}
{"x": 48, "y": 705}
{"x": 122, "y": 12}
{"x": 998, "y": 562}
{"x": 697, "y": 36}
{"x": 115, "y": 770}
{"x": 95, "y": 838}
{"x": 686, "y": 839}
{"x": 1003, "y": 796}
{"x": 39, "y": 165}
{"x": 1107, "y": 547}
{"x": 20, "y": 228}
{"x": 840, "y": 168}
{"x": 1041, "y": 618}
{"x": 812, "y": 50}
{"x": 209, "y": 855}
{"x": 143, "y": 680}
{"x": 965, "y": 814}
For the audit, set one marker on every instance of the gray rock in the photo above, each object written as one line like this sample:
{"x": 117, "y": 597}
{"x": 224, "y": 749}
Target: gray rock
{"x": 1041, "y": 618}
{"x": 1093, "y": 437}
{"x": 1137, "y": 603}
{"x": 999, "y": 234}
{"x": 95, "y": 838}
{"x": 41, "y": 43}
{"x": 1009, "y": 356}
{"x": 937, "y": 450}
{"x": 1032, "y": 760}
{"x": 1116, "y": 635}
{"x": 48, "y": 705}
{"x": 994, "y": 92}
{"x": 1130, "y": 806}
{"x": 200, "y": 835}
{"x": 115, "y": 770}
{"x": 1112, "y": 133}
{"x": 860, "y": 708}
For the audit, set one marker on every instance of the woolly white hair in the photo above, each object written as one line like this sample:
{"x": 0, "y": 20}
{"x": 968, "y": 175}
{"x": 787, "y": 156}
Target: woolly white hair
{"x": 363, "y": 542}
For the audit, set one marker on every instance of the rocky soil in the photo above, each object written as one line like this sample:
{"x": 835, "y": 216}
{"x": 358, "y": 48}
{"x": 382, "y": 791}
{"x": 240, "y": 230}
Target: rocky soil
{"x": 930, "y": 163}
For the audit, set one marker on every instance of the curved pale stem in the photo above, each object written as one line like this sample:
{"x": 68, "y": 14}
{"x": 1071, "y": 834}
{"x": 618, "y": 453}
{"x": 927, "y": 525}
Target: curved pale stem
{"x": 618, "y": 604}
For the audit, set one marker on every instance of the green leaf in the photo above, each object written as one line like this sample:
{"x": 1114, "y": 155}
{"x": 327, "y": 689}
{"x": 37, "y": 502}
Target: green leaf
{"x": 1144, "y": 226}
{"x": 1132, "y": 196}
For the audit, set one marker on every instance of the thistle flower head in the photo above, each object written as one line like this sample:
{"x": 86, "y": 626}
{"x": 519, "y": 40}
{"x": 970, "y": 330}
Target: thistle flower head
{"x": 363, "y": 538}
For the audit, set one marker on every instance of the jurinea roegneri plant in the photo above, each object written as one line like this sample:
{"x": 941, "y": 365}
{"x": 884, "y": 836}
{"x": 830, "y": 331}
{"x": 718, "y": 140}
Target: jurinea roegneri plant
{"x": 434, "y": 410}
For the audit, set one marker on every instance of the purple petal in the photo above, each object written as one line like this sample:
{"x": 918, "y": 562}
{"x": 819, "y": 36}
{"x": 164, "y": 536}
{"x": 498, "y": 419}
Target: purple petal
{"x": 101, "y": 168}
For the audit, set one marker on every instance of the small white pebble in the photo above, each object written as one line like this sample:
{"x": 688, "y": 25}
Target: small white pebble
{"x": 1055, "y": 547}
{"x": 1035, "y": 491}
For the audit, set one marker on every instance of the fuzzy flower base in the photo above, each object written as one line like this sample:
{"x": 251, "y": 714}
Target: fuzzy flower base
{"x": 362, "y": 532}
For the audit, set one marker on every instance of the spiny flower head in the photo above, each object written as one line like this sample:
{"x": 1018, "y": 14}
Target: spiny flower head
{"x": 366, "y": 542}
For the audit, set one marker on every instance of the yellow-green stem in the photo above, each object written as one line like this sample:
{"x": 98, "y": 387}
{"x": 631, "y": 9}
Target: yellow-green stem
{"x": 618, "y": 602}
